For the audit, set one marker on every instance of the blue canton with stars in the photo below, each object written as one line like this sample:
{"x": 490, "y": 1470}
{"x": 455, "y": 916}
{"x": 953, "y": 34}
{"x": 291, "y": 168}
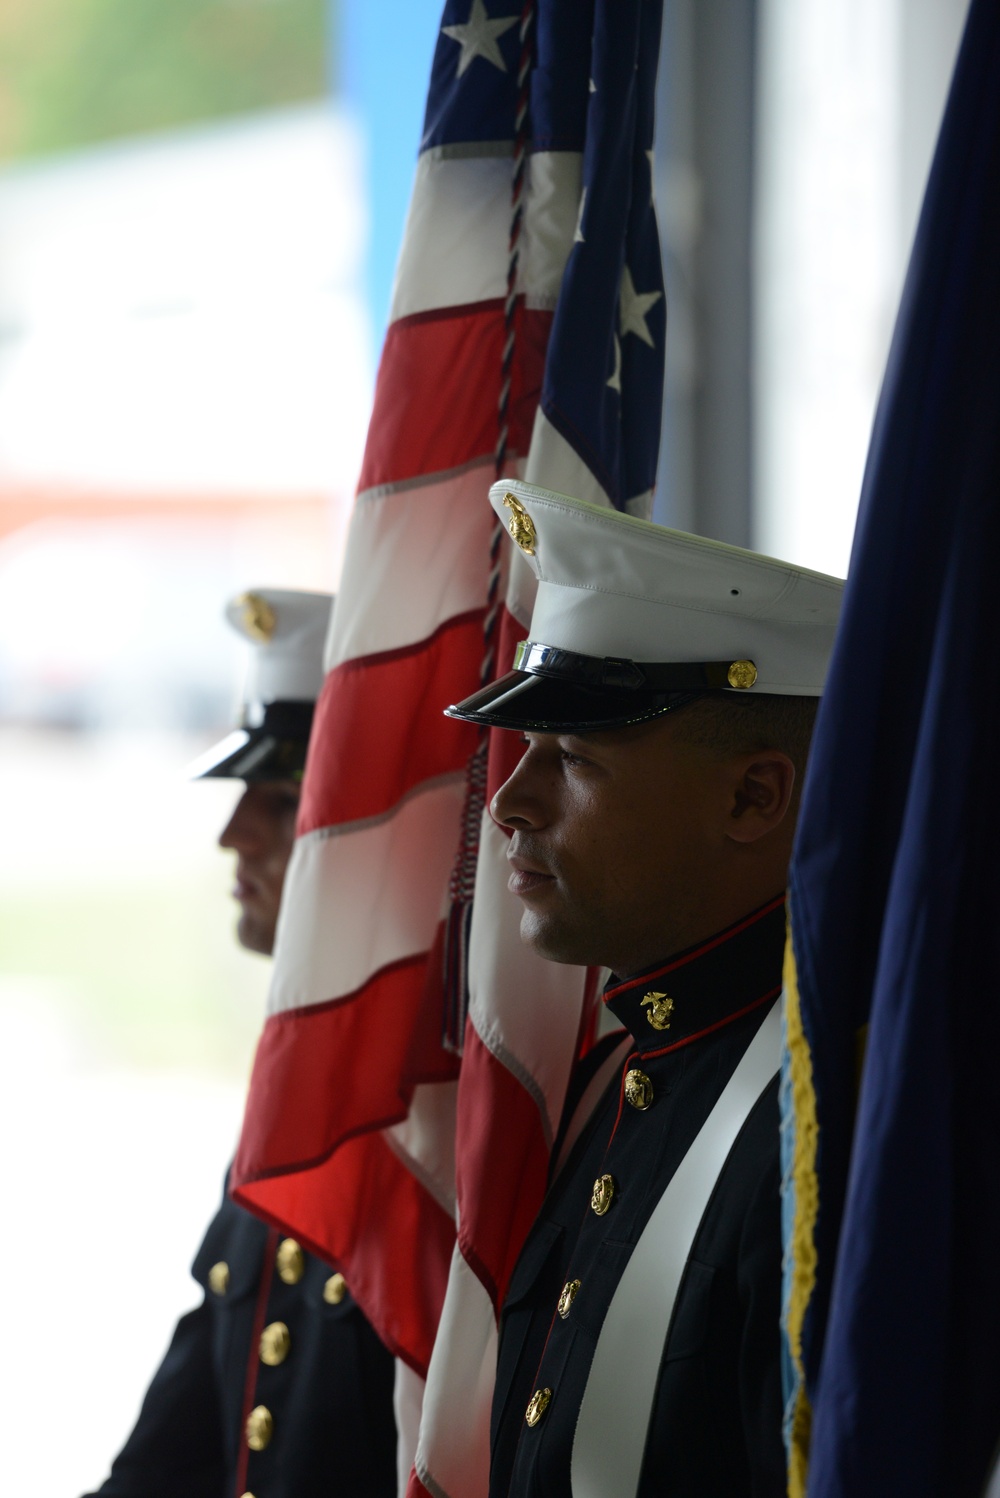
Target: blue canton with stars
{"x": 593, "y": 83}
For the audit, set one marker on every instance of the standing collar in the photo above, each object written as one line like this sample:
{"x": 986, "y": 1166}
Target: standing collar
{"x": 704, "y": 988}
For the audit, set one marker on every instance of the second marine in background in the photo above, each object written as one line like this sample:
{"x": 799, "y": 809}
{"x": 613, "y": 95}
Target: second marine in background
{"x": 275, "y": 1386}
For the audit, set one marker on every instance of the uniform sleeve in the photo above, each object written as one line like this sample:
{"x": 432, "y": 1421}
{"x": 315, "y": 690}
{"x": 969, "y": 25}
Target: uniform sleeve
{"x": 760, "y": 1345}
{"x": 175, "y": 1450}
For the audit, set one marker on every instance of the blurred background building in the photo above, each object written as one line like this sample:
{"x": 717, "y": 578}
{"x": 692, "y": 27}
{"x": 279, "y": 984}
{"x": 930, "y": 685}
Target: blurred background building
{"x": 201, "y": 202}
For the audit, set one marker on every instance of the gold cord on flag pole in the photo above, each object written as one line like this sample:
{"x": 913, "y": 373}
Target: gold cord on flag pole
{"x": 463, "y": 875}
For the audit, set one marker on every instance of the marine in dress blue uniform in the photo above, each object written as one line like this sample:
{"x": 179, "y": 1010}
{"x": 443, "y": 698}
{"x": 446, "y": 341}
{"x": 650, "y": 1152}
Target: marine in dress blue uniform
{"x": 666, "y": 693}
{"x": 275, "y": 1386}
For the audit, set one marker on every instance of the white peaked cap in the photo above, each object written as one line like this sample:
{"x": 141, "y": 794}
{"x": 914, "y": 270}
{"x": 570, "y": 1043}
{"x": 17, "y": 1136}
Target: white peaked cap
{"x": 617, "y": 594}
{"x": 286, "y": 631}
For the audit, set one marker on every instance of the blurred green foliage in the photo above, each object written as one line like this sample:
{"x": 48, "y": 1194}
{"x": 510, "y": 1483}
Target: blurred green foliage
{"x": 146, "y": 975}
{"x": 73, "y": 72}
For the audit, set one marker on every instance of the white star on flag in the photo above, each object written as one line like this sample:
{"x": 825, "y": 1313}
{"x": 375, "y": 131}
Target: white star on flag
{"x": 578, "y": 232}
{"x": 616, "y": 379}
{"x": 633, "y": 306}
{"x": 478, "y": 37}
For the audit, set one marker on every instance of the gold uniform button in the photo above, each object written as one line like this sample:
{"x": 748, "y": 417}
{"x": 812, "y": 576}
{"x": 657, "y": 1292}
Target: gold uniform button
{"x": 567, "y": 1297}
{"x": 218, "y": 1278}
{"x": 335, "y": 1289}
{"x": 603, "y": 1194}
{"x": 291, "y": 1261}
{"x": 275, "y": 1344}
{"x": 638, "y": 1089}
{"x": 537, "y": 1405}
{"x": 260, "y": 1428}
{"x": 660, "y": 1009}
{"x": 742, "y": 675}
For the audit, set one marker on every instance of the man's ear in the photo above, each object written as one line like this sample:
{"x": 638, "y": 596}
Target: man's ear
{"x": 762, "y": 793}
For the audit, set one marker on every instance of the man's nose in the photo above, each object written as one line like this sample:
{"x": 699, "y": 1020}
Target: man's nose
{"x": 238, "y": 833}
{"x": 519, "y": 803}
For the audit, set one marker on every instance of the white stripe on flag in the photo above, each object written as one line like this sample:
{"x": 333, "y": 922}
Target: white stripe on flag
{"x": 455, "y": 1429}
{"x": 455, "y": 245}
{"x": 421, "y": 552}
{"x": 425, "y": 1140}
{"x": 351, "y": 904}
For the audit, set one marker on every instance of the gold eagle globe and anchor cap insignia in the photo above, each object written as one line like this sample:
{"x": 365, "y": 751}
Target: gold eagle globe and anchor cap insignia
{"x": 633, "y": 620}
{"x": 661, "y": 1007}
{"x": 259, "y": 619}
{"x": 520, "y": 525}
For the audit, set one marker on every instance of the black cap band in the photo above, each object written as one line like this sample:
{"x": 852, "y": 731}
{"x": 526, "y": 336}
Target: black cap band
{"x": 552, "y": 690}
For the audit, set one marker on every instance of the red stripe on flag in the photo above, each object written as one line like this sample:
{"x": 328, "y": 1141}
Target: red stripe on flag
{"x": 458, "y": 356}
{"x": 304, "y": 1101}
{"x": 495, "y": 1222}
{"x": 340, "y": 1210}
{"x": 415, "y": 1488}
{"x": 356, "y": 768}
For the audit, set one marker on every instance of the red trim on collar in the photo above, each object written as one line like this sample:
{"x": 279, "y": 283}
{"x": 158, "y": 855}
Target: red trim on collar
{"x": 720, "y": 1024}
{"x": 694, "y": 954}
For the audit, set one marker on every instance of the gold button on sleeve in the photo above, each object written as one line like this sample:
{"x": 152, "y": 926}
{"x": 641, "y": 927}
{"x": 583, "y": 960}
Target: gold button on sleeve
{"x": 290, "y": 1261}
{"x": 275, "y": 1344}
{"x": 638, "y": 1090}
{"x": 335, "y": 1289}
{"x": 260, "y": 1428}
{"x": 603, "y": 1194}
{"x": 566, "y": 1299}
{"x": 218, "y": 1278}
{"x": 537, "y": 1405}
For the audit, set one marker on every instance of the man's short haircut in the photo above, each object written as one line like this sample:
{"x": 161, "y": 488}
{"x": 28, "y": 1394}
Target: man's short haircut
{"x": 727, "y": 724}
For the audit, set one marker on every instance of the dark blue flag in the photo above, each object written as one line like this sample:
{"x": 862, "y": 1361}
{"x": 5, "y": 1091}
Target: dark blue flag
{"x": 893, "y": 1138}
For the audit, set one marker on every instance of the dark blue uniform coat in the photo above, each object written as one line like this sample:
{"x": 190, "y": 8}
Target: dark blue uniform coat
{"x": 330, "y": 1398}
{"x": 715, "y": 1430}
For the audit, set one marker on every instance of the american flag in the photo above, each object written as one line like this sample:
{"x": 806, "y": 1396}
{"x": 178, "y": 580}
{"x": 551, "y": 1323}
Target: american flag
{"x": 527, "y": 335}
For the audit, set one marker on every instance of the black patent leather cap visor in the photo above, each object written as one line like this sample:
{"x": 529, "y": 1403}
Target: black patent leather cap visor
{"x": 273, "y": 750}
{"x": 523, "y": 700}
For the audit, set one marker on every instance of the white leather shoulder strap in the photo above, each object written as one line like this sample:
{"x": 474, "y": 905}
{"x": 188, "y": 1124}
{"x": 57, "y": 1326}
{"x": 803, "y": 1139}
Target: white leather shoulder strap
{"x": 610, "y": 1438}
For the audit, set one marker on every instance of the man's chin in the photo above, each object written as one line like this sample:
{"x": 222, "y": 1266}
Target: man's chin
{"x": 255, "y": 935}
{"x": 552, "y": 939}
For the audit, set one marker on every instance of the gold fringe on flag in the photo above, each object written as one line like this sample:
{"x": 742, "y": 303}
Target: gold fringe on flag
{"x": 801, "y": 1250}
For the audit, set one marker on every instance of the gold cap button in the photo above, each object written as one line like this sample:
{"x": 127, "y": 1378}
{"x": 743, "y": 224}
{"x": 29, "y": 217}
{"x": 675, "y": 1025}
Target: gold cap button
{"x": 275, "y": 1344}
{"x": 218, "y": 1278}
{"x": 604, "y": 1190}
{"x": 638, "y": 1089}
{"x": 537, "y": 1405}
{"x": 291, "y": 1261}
{"x": 520, "y": 525}
{"x": 335, "y": 1289}
{"x": 260, "y": 1428}
{"x": 247, "y": 1495}
{"x": 567, "y": 1297}
{"x": 660, "y": 1009}
{"x": 741, "y": 675}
